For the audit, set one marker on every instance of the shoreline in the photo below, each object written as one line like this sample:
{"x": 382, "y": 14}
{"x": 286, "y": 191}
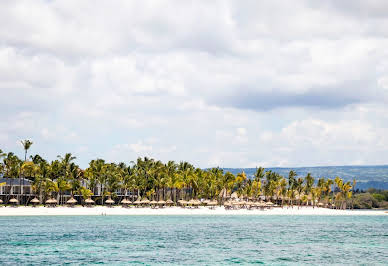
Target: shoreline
{"x": 117, "y": 210}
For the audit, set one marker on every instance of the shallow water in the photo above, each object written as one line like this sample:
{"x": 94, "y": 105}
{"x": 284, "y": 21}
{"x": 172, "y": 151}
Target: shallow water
{"x": 194, "y": 240}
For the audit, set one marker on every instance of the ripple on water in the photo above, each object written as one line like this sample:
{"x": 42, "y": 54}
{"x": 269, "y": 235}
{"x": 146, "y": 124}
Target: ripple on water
{"x": 186, "y": 240}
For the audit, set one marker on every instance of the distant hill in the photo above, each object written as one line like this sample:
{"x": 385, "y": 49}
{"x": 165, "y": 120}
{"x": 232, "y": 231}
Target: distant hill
{"x": 366, "y": 176}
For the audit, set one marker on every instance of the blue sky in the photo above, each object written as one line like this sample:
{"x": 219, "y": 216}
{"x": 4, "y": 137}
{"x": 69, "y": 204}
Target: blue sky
{"x": 216, "y": 83}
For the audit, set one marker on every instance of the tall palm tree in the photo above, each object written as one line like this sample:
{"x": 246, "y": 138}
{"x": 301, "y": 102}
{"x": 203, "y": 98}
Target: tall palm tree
{"x": 291, "y": 186}
{"x": 299, "y": 189}
{"x": 26, "y": 145}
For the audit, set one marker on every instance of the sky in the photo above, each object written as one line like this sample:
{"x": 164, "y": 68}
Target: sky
{"x": 215, "y": 83}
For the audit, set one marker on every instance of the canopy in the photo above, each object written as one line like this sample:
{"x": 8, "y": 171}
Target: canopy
{"x": 137, "y": 201}
{"x": 192, "y": 202}
{"x": 71, "y": 201}
{"x": 89, "y": 201}
{"x": 35, "y": 200}
{"x": 213, "y": 203}
{"x": 110, "y": 201}
{"x": 125, "y": 201}
{"x": 169, "y": 201}
{"x": 207, "y": 201}
{"x": 145, "y": 201}
{"x": 51, "y": 201}
{"x": 13, "y": 200}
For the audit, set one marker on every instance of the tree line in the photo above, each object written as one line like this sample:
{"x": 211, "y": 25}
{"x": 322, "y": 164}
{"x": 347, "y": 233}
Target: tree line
{"x": 147, "y": 177}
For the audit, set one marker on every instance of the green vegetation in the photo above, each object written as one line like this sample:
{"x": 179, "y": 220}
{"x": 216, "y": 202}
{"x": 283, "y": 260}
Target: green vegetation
{"x": 372, "y": 198}
{"x": 150, "y": 178}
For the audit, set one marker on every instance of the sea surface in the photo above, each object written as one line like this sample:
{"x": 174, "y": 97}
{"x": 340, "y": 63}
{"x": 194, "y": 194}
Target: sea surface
{"x": 194, "y": 240}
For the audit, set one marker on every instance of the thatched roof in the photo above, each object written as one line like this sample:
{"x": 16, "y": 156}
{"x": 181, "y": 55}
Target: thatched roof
{"x": 35, "y": 200}
{"x": 137, "y": 201}
{"x": 213, "y": 203}
{"x": 51, "y": 201}
{"x": 206, "y": 201}
{"x": 169, "y": 201}
{"x": 89, "y": 201}
{"x": 153, "y": 202}
{"x": 13, "y": 200}
{"x": 161, "y": 202}
{"x": 145, "y": 201}
{"x": 71, "y": 201}
{"x": 194, "y": 202}
{"x": 183, "y": 202}
{"x": 125, "y": 201}
{"x": 110, "y": 201}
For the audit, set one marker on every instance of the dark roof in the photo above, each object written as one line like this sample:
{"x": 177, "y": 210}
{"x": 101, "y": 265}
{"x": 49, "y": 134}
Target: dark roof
{"x": 15, "y": 181}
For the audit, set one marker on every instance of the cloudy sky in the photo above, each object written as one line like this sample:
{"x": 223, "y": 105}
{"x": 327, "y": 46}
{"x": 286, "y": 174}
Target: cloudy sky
{"x": 216, "y": 83}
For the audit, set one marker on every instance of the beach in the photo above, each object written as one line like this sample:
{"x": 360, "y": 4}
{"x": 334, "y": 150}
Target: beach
{"x": 117, "y": 210}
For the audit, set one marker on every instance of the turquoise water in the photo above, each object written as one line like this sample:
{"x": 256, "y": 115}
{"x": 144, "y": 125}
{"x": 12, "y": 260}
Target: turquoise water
{"x": 194, "y": 240}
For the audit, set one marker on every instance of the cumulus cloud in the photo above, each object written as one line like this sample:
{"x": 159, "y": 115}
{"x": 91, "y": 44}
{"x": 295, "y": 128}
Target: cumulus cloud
{"x": 217, "y": 83}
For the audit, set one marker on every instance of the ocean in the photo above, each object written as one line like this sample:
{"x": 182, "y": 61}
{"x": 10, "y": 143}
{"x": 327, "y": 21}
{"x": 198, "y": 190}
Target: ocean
{"x": 194, "y": 240}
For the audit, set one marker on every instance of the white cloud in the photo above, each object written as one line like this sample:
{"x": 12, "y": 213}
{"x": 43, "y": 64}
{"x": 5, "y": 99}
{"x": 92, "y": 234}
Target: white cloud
{"x": 214, "y": 83}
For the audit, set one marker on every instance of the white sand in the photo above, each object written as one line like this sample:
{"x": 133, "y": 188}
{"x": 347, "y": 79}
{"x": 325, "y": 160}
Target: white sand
{"x": 99, "y": 210}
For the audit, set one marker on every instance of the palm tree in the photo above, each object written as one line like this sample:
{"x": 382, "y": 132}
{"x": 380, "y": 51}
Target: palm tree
{"x": 26, "y": 145}
{"x": 11, "y": 169}
{"x": 291, "y": 186}
{"x": 299, "y": 189}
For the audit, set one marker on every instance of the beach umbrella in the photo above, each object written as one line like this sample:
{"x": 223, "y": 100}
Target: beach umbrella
{"x": 109, "y": 201}
{"x": 35, "y": 201}
{"x": 183, "y": 202}
{"x": 14, "y": 201}
{"x": 125, "y": 201}
{"x": 89, "y": 201}
{"x": 169, "y": 202}
{"x": 71, "y": 201}
{"x": 269, "y": 203}
{"x": 213, "y": 203}
{"x": 234, "y": 202}
{"x": 137, "y": 201}
{"x": 207, "y": 201}
{"x": 320, "y": 204}
{"x": 51, "y": 201}
{"x": 161, "y": 202}
{"x": 191, "y": 202}
{"x": 243, "y": 202}
{"x": 153, "y": 202}
{"x": 145, "y": 201}
{"x": 227, "y": 204}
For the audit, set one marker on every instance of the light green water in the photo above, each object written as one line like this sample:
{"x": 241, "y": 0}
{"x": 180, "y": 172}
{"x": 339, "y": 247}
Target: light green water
{"x": 194, "y": 240}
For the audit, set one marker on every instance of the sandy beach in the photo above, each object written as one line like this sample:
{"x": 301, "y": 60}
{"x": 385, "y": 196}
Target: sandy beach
{"x": 101, "y": 210}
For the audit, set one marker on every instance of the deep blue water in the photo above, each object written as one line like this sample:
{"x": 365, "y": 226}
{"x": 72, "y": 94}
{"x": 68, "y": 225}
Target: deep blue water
{"x": 194, "y": 240}
{"x": 375, "y": 176}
